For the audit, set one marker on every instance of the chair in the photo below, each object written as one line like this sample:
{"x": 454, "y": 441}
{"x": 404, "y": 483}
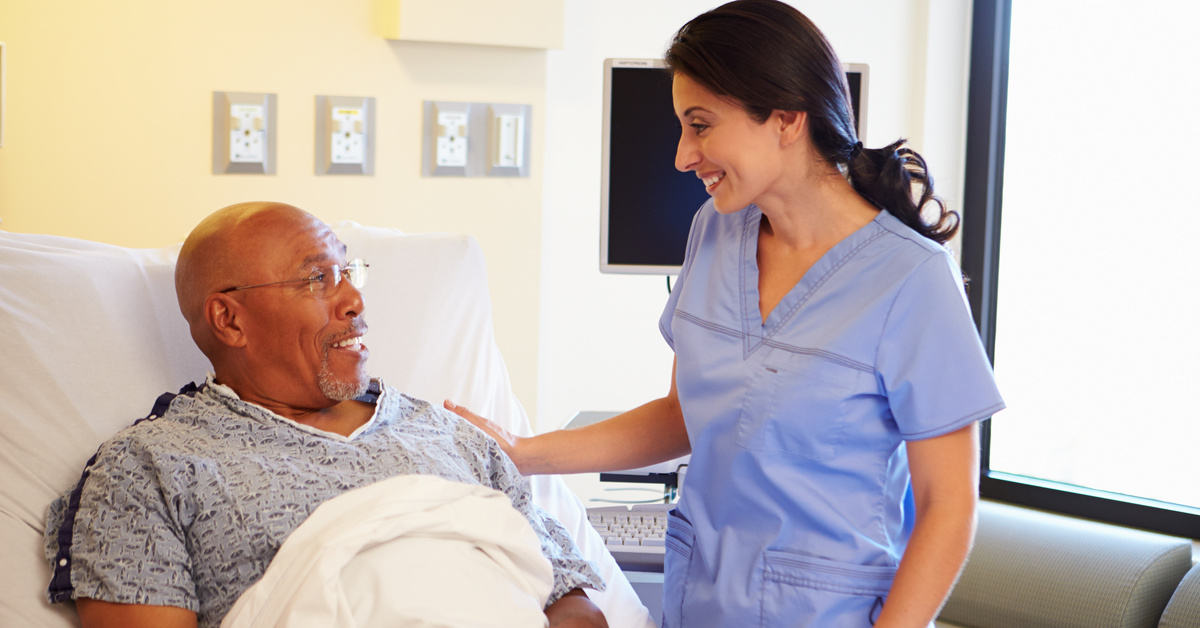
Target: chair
{"x": 1039, "y": 570}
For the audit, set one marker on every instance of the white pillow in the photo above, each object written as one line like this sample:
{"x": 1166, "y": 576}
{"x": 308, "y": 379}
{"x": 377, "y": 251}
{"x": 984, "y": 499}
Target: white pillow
{"x": 92, "y": 335}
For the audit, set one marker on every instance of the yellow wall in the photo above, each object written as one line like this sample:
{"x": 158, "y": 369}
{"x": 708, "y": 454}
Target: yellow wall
{"x": 109, "y": 128}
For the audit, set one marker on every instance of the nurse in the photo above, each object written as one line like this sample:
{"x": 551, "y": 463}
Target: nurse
{"x": 825, "y": 358}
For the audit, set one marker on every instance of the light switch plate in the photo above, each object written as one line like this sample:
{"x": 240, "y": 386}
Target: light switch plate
{"x": 345, "y": 142}
{"x": 508, "y": 140}
{"x": 243, "y": 133}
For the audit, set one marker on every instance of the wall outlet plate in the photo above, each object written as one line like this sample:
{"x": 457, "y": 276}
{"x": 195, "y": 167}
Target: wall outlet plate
{"x": 475, "y": 139}
{"x": 450, "y": 141}
{"x": 243, "y": 133}
{"x": 345, "y": 142}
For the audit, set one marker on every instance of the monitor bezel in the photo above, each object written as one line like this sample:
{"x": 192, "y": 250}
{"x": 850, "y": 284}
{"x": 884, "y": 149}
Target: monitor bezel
{"x": 605, "y": 266}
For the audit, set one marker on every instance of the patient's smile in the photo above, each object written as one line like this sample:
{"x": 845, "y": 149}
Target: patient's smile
{"x": 354, "y": 343}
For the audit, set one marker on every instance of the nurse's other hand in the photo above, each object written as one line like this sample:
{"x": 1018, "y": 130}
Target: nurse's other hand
{"x": 506, "y": 439}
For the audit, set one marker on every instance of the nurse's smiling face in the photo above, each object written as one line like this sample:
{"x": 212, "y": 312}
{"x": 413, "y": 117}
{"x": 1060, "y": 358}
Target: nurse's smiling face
{"x": 738, "y": 159}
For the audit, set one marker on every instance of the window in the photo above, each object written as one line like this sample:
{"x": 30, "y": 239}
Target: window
{"x": 1078, "y": 232}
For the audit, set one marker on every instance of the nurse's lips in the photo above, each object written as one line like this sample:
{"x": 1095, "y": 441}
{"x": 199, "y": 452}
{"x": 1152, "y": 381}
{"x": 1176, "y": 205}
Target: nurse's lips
{"x": 711, "y": 180}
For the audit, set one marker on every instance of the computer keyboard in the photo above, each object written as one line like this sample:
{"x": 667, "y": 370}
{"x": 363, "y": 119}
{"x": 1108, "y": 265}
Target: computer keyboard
{"x": 635, "y": 536}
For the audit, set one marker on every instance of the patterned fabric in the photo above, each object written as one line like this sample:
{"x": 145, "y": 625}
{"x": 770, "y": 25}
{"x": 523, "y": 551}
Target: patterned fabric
{"x": 189, "y": 509}
{"x": 1184, "y": 608}
{"x": 1031, "y": 569}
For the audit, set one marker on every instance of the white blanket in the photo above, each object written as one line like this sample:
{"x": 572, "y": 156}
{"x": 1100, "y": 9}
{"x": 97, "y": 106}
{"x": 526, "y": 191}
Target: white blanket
{"x": 410, "y": 551}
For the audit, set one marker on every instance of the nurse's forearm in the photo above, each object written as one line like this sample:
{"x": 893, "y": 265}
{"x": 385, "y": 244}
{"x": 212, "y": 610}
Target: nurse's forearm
{"x": 945, "y": 480}
{"x": 939, "y": 545}
{"x": 648, "y": 434}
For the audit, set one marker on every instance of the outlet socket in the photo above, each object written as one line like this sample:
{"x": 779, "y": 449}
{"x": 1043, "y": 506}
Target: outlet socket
{"x": 243, "y": 133}
{"x": 449, "y": 140}
{"x": 345, "y": 141}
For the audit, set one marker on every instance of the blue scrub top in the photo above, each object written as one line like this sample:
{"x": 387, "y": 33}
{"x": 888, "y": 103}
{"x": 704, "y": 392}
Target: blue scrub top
{"x": 793, "y": 510}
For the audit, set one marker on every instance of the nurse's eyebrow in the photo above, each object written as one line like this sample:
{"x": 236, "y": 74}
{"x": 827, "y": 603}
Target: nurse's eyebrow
{"x": 689, "y": 110}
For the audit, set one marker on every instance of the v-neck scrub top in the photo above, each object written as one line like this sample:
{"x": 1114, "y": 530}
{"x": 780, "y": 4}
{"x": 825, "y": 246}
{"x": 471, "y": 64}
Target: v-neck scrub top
{"x": 792, "y": 514}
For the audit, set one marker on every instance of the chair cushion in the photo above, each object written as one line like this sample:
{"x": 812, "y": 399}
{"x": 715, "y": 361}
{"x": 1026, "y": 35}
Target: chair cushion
{"x": 1183, "y": 611}
{"x": 1034, "y": 569}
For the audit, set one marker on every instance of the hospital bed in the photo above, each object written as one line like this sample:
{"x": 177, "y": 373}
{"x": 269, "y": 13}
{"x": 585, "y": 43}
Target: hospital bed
{"x": 91, "y": 335}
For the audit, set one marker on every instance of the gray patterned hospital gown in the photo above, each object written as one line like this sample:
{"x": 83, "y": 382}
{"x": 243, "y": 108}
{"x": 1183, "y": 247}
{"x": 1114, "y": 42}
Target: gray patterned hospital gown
{"x": 188, "y": 509}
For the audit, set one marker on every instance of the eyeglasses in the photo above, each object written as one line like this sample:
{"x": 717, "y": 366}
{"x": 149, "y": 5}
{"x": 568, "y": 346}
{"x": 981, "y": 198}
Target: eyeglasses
{"x": 324, "y": 279}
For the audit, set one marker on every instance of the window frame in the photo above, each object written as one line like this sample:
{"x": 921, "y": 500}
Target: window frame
{"x": 983, "y": 184}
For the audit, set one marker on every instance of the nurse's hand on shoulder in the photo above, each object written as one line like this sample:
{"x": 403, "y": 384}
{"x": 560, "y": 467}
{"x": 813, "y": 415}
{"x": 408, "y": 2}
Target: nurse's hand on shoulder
{"x": 507, "y": 440}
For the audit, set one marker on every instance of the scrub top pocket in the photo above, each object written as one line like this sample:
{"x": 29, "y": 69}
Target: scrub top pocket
{"x": 801, "y": 590}
{"x": 795, "y": 405}
{"x": 676, "y": 564}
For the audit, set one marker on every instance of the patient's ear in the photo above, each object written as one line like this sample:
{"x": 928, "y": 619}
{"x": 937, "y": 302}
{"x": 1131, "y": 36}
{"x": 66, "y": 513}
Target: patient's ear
{"x": 224, "y": 316}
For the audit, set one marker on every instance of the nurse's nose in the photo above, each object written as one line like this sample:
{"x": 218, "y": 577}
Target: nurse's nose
{"x": 687, "y": 156}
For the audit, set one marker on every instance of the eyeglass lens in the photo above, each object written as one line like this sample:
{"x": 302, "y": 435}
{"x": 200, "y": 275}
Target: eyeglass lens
{"x": 355, "y": 272}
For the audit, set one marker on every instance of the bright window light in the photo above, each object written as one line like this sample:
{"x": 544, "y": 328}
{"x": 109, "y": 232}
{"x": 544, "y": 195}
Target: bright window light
{"x": 1098, "y": 307}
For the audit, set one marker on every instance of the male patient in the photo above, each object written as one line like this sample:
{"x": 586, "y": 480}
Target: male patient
{"x": 177, "y": 515}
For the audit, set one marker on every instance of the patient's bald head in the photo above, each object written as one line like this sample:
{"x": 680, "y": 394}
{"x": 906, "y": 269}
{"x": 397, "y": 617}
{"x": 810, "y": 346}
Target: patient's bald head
{"x": 245, "y": 282}
{"x": 227, "y": 249}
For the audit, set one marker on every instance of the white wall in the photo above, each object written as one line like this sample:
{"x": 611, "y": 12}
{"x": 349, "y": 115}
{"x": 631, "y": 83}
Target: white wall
{"x": 600, "y": 347}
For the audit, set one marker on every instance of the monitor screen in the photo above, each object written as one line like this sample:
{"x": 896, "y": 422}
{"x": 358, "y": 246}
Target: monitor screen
{"x": 646, "y": 204}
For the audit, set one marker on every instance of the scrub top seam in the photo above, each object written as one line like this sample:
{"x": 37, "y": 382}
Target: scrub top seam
{"x": 828, "y": 356}
{"x": 838, "y": 265}
{"x": 744, "y": 288}
{"x": 692, "y": 318}
{"x": 955, "y": 425}
{"x": 892, "y": 306}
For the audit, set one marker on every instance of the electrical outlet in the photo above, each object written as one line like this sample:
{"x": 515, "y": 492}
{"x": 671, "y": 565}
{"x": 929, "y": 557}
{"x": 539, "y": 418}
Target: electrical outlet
{"x": 349, "y": 145}
{"x": 449, "y": 149}
{"x": 243, "y": 133}
{"x": 345, "y": 135}
{"x": 246, "y": 145}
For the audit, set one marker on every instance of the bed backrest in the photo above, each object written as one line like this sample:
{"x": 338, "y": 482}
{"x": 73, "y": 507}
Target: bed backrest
{"x": 92, "y": 335}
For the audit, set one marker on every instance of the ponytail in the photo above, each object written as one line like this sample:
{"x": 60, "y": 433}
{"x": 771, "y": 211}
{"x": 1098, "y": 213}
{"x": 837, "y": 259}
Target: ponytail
{"x": 886, "y": 176}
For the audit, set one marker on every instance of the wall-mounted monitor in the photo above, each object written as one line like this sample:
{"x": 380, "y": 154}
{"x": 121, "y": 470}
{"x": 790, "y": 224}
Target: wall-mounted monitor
{"x": 646, "y": 205}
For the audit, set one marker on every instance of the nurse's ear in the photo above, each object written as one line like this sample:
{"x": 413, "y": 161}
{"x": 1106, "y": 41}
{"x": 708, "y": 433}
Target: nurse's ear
{"x": 792, "y": 125}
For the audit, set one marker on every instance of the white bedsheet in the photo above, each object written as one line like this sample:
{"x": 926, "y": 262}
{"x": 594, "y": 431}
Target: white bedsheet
{"x": 412, "y": 551}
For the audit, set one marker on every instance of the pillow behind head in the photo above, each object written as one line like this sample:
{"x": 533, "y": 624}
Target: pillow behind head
{"x": 92, "y": 335}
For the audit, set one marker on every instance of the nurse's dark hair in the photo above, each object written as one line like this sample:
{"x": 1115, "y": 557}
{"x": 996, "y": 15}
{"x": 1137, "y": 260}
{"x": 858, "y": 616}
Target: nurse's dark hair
{"x": 767, "y": 56}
